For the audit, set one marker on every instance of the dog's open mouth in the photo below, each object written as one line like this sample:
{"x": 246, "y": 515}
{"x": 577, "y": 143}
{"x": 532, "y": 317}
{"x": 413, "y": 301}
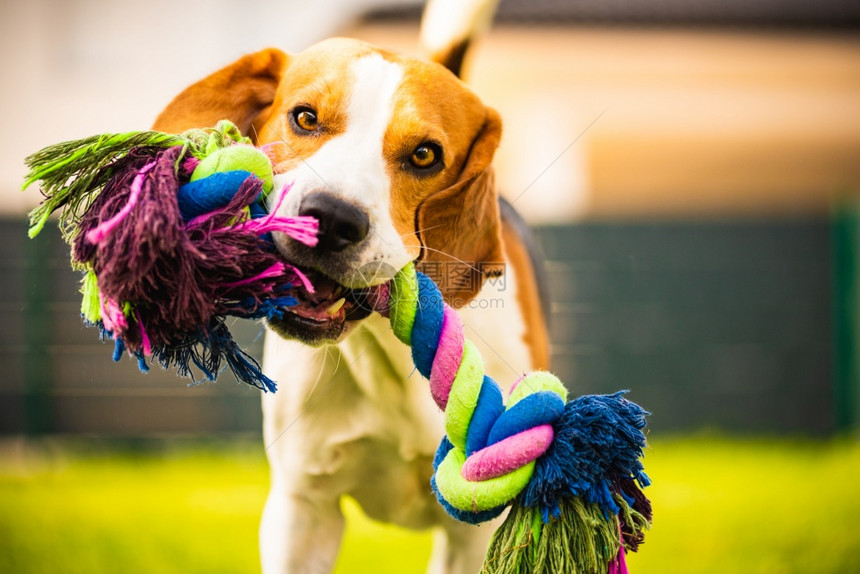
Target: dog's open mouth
{"x": 323, "y": 314}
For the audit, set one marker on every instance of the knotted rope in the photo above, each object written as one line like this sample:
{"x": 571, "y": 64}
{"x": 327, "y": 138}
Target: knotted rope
{"x": 575, "y": 463}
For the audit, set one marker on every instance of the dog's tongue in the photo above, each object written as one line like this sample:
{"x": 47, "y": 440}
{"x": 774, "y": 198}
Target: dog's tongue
{"x": 331, "y": 301}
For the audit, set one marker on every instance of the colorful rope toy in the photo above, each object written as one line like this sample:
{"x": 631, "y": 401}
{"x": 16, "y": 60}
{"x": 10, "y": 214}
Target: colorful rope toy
{"x": 172, "y": 237}
{"x": 571, "y": 470}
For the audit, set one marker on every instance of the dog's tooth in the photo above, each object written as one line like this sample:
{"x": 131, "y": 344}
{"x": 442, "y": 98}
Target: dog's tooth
{"x": 335, "y": 307}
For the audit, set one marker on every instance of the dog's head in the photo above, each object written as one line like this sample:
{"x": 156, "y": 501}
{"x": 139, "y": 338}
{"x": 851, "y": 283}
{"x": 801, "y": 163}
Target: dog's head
{"x": 392, "y": 156}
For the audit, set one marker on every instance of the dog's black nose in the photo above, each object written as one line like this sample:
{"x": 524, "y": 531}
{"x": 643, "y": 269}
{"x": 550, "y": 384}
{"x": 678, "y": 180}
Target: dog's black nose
{"x": 340, "y": 223}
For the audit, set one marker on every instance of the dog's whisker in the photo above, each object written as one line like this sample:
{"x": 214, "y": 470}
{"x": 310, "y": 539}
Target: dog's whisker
{"x": 468, "y": 264}
{"x": 418, "y": 232}
{"x": 295, "y": 420}
{"x": 314, "y": 399}
{"x": 325, "y": 351}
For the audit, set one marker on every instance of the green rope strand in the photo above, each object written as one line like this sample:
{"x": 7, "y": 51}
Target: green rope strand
{"x": 580, "y": 541}
{"x": 71, "y": 172}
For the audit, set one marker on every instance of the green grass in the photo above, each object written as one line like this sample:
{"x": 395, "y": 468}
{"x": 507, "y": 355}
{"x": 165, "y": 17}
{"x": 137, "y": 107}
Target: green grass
{"x": 721, "y": 506}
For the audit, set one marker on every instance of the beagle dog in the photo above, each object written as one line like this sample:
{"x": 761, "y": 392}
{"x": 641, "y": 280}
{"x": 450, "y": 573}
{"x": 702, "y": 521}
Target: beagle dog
{"x": 393, "y": 156}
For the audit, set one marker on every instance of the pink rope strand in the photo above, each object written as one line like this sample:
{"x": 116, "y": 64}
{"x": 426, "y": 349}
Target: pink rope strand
{"x": 302, "y": 229}
{"x": 145, "y": 343}
{"x": 306, "y": 283}
{"x": 273, "y": 271}
{"x": 104, "y": 229}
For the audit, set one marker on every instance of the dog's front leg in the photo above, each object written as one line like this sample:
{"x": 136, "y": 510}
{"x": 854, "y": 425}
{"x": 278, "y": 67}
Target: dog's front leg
{"x": 302, "y": 524}
{"x": 298, "y": 534}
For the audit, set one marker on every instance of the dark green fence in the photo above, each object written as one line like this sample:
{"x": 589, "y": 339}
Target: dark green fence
{"x": 58, "y": 377}
{"x": 710, "y": 324}
{"x": 722, "y": 325}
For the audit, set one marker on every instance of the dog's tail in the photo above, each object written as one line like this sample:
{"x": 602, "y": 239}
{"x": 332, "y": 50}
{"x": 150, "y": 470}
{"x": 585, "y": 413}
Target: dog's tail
{"x": 450, "y": 27}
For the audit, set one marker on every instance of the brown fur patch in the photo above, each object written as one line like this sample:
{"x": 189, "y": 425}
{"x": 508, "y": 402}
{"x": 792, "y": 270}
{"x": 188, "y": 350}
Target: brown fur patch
{"x": 528, "y": 296}
{"x": 239, "y": 92}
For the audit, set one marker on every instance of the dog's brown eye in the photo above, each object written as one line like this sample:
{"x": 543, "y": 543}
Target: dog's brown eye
{"x": 305, "y": 119}
{"x": 426, "y": 155}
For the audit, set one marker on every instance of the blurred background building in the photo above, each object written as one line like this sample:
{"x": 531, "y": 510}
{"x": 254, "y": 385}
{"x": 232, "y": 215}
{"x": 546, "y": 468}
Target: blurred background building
{"x": 691, "y": 169}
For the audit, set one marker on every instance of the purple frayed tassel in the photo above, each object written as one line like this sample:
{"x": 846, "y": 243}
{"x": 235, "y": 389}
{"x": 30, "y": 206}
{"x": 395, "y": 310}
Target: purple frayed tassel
{"x": 161, "y": 285}
{"x": 150, "y": 262}
{"x": 98, "y": 234}
{"x": 276, "y": 270}
{"x": 176, "y": 273}
{"x": 111, "y": 200}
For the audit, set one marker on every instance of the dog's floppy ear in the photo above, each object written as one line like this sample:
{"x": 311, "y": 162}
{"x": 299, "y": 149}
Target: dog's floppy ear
{"x": 242, "y": 92}
{"x": 459, "y": 227}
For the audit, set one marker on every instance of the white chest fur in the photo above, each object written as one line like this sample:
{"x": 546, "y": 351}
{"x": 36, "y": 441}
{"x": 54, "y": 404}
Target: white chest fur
{"x": 356, "y": 418}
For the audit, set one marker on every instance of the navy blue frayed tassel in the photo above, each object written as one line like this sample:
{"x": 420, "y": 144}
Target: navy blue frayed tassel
{"x": 208, "y": 351}
{"x": 598, "y": 440}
